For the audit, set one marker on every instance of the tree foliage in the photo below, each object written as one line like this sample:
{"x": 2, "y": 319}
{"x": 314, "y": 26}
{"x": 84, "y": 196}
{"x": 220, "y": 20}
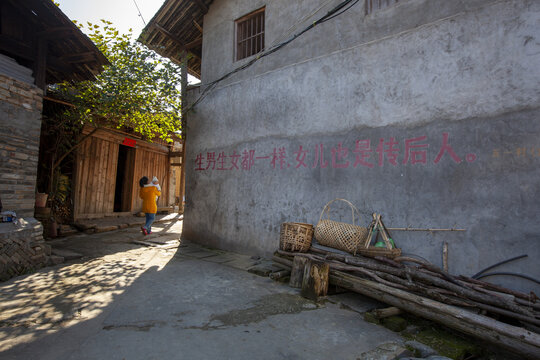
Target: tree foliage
{"x": 139, "y": 90}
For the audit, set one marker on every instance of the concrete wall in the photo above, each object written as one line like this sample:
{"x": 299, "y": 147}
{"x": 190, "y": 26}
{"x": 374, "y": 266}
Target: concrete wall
{"x": 454, "y": 85}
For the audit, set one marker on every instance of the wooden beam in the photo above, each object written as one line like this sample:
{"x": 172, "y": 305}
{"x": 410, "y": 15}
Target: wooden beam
{"x": 40, "y": 65}
{"x": 80, "y": 57}
{"x": 177, "y": 40}
{"x": 48, "y": 98}
{"x": 198, "y": 26}
{"x": 203, "y": 7}
{"x": 56, "y": 32}
{"x": 16, "y": 48}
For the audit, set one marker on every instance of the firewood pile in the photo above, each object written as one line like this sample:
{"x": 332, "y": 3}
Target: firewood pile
{"x": 505, "y": 317}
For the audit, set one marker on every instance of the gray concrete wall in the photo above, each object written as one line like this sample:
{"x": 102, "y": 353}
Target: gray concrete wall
{"x": 459, "y": 80}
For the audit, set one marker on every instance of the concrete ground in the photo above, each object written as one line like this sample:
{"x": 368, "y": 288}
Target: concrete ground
{"x": 125, "y": 300}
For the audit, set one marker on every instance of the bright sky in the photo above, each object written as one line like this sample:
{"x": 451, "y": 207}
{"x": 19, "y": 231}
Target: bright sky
{"x": 122, "y": 13}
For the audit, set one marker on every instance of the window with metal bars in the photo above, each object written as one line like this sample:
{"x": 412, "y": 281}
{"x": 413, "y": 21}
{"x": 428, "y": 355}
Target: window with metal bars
{"x": 374, "y": 5}
{"x": 250, "y": 34}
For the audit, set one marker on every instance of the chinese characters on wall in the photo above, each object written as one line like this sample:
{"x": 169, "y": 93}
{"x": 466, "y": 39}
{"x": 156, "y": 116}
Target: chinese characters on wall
{"x": 362, "y": 154}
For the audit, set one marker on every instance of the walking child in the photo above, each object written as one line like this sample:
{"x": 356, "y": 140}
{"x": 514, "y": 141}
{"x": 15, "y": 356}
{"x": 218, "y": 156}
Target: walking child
{"x": 149, "y": 195}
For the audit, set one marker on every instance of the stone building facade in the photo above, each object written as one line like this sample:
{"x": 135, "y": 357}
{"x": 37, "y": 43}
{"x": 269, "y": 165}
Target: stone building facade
{"x": 22, "y": 247}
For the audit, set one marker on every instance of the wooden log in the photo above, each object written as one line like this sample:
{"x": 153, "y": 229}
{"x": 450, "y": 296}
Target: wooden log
{"x": 449, "y": 282}
{"x": 516, "y": 339}
{"x": 387, "y": 312}
{"x": 282, "y": 261}
{"x": 315, "y": 282}
{"x": 277, "y": 275}
{"x": 297, "y": 272}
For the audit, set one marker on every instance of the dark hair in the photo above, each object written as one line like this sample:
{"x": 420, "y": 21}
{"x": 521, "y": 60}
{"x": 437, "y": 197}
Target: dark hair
{"x": 143, "y": 181}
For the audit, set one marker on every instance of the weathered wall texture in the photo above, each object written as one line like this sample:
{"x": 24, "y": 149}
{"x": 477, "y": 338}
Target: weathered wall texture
{"x": 22, "y": 247}
{"x": 426, "y": 112}
{"x": 20, "y": 121}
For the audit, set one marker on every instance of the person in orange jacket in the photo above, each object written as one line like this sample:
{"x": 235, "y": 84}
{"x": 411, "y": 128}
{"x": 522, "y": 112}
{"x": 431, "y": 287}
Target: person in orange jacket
{"x": 149, "y": 207}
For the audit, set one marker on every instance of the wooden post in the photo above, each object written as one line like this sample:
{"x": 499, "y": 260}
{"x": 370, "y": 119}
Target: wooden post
{"x": 315, "y": 282}
{"x": 297, "y": 272}
{"x": 445, "y": 256}
{"x": 40, "y": 65}
{"x": 183, "y": 84}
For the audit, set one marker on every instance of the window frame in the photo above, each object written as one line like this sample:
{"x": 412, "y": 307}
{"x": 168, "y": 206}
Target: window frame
{"x": 245, "y": 52}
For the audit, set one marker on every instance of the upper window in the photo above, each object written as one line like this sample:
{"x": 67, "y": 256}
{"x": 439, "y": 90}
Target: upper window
{"x": 374, "y": 5}
{"x": 250, "y": 34}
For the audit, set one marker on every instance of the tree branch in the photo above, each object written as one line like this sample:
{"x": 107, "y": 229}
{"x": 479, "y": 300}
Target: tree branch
{"x": 59, "y": 161}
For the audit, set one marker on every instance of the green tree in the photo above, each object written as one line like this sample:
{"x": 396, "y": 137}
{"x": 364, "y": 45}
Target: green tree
{"x": 139, "y": 90}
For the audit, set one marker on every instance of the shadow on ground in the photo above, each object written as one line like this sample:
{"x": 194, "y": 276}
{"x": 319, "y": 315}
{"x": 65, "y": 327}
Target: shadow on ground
{"x": 128, "y": 301}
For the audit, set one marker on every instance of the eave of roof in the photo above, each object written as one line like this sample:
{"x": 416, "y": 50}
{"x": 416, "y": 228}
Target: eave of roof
{"x": 77, "y": 56}
{"x": 177, "y": 28}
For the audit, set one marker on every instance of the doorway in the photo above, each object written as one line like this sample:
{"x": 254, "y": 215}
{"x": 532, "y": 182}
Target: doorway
{"x": 123, "y": 193}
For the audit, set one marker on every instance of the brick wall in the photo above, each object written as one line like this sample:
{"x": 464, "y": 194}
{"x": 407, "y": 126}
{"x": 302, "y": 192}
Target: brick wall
{"x": 22, "y": 248}
{"x": 20, "y": 122}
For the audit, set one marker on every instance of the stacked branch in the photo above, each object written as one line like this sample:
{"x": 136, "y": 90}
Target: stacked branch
{"x": 426, "y": 290}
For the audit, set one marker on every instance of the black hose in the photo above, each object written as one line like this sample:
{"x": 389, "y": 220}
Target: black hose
{"x": 510, "y": 274}
{"x": 475, "y": 276}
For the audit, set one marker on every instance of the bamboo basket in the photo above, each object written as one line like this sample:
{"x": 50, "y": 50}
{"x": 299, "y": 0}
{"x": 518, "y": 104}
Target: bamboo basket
{"x": 295, "y": 237}
{"x": 389, "y": 251}
{"x": 338, "y": 235}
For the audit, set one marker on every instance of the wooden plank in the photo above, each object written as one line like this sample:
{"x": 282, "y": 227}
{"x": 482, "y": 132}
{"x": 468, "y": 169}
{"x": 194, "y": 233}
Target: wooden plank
{"x": 100, "y": 205}
{"x": 76, "y": 185}
{"x": 118, "y": 137}
{"x": 95, "y": 176}
{"x": 99, "y": 178}
{"x": 85, "y": 183}
{"x": 90, "y": 191}
{"x": 297, "y": 271}
{"x": 84, "y": 178}
{"x": 110, "y": 179}
{"x": 113, "y": 164}
{"x": 315, "y": 282}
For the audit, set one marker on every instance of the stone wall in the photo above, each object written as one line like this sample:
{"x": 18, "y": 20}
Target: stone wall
{"x": 20, "y": 121}
{"x": 426, "y": 112}
{"x": 22, "y": 248}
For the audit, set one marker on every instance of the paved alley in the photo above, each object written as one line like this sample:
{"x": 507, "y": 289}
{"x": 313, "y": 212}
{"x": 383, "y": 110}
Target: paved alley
{"x": 125, "y": 300}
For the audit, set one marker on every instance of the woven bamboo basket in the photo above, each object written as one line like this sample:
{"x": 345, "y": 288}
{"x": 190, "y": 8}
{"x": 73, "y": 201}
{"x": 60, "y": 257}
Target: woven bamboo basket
{"x": 339, "y": 235}
{"x": 295, "y": 237}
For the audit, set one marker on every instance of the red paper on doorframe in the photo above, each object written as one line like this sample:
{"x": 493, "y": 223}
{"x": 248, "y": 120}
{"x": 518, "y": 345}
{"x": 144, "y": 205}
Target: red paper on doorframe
{"x": 129, "y": 142}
